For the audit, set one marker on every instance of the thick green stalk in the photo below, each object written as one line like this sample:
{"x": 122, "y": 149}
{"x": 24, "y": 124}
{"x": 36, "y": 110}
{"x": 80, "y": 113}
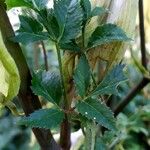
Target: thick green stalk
{"x": 65, "y": 126}
{"x": 62, "y": 77}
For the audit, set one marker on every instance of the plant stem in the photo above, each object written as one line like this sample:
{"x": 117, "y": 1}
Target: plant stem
{"x": 93, "y": 136}
{"x": 142, "y": 34}
{"x": 66, "y": 105}
{"x": 28, "y": 100}
{"x": 65, "y": 134}
{"x": 83, "y": 37}
{"x": 145, "y": 80}
{"x": 131, "y": 95}
{"x": 45, "y": 56}
{"x": 65, "y": 126}
{"x": 93, "y": 78}
{"x": 88, "y": 139}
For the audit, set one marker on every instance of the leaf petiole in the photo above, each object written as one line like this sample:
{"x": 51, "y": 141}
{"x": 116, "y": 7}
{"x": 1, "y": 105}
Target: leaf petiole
{"x": 66, "y": 105}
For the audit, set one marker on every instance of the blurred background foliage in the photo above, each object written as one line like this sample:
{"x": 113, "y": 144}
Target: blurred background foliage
{"x": 133, "y": 123}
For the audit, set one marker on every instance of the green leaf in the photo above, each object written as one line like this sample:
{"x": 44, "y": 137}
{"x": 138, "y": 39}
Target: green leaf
{"x": 35, "y": 4}
{"x": 17, "y": 3}
{"x": 26, "y": 38}
{"x": 109, "y": 136}
{"x": 40, "y": 4}
{"x": 30, "y": 31}
{"x": 68, "y": 14}
{"x": 47, "y": 85}
{"x": 97, "y": 111}
{"x": 82, "y": 76}
{"x": 110, "y": 82}
{"x": 98, "y": 11}
{"x": 86, "y": 6}
{"x": 47, "y": 18}
{"x": 43, "y": 118}
{"x": 9, "y": 75}
{"x": 88, "y": 13}
{"x": 107, "y": 33}
{"x": 29, "y": 24}
{"x": 71, "y": 46}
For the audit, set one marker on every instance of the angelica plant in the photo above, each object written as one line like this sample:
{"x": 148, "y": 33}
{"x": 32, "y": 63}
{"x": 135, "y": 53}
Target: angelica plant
{"x": 74, "y": 92}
